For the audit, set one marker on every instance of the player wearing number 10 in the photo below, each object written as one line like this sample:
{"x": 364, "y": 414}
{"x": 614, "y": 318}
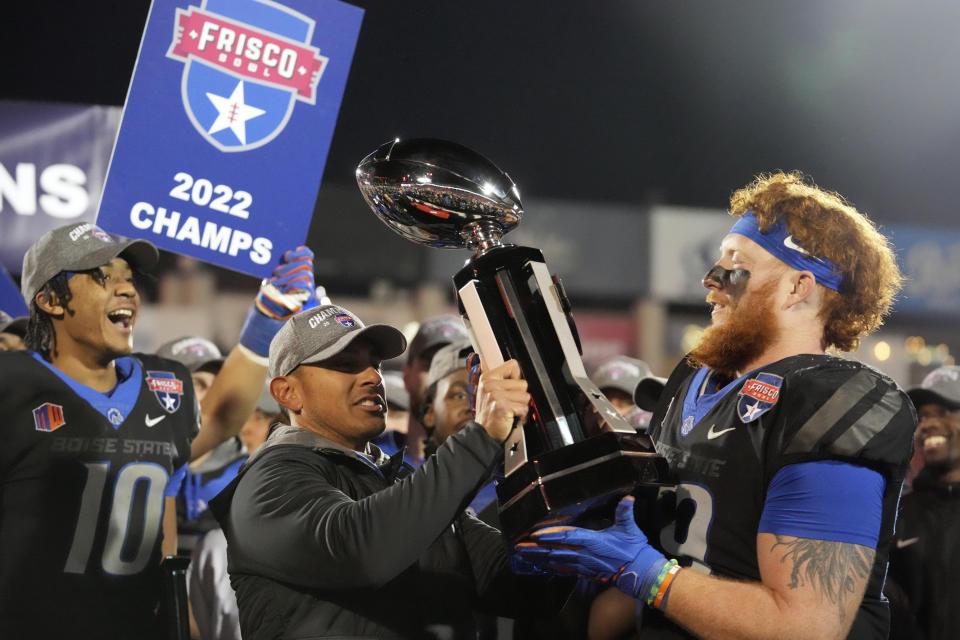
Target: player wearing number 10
{"x": 789, "y": 461}
{"x": 92, "y": 433}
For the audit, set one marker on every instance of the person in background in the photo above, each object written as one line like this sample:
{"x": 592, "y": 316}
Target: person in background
{"x": 12, "y": 332}
{"x": 200, "y": 356}
{"x": 446, "y": 410}
{"x": 922, "y": 582}
{"x": 617, "y": 379}
{"x": 433, "y": 333}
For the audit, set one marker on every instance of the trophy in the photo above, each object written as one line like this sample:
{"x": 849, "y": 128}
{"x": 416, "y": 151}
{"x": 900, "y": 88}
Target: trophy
{"x": 574, "y": 456}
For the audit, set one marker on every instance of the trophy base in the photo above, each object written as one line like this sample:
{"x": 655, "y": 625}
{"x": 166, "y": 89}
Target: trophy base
{"x": 577, "y": 484}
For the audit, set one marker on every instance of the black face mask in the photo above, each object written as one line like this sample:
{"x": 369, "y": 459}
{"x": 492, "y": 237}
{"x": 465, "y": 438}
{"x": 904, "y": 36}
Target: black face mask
{"x": 732, "y": 282}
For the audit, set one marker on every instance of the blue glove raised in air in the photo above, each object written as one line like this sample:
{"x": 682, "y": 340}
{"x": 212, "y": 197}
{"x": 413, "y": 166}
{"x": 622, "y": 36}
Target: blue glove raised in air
{"x": 290, "y": 287}
{"x": 288, "y": 291}
{"x": 619, "y": 554}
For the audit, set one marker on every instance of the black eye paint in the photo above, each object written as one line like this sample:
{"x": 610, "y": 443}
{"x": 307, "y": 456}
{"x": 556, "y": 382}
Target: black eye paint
{"x": 732, "y": 282}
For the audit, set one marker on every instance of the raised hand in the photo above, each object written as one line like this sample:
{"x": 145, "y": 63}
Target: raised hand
{"x": 289, "y": 290}
{"x": 290, "y": 287}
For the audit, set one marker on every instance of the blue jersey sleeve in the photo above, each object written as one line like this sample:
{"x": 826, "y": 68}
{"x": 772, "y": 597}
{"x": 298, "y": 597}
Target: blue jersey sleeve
{"x": 825, "y": 500}
{"x": 175, "y": 482}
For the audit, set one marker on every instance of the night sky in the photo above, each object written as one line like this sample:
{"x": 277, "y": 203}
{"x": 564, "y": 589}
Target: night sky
{"x": 625, "y": 102}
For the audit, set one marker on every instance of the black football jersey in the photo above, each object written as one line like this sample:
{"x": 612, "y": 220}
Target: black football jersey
{"x": 82, "y": 496}
{"x": 725, "y": 453}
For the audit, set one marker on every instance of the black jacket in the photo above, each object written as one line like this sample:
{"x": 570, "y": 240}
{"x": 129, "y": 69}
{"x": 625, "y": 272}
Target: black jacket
{"x": 923, "y": 584}
{"x": 324, "y": 542}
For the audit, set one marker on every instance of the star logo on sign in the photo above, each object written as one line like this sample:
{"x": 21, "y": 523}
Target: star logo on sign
{"x": 752, "y": 411}
{"x": 169, "y": 402}
{"x": 233, "y": 113}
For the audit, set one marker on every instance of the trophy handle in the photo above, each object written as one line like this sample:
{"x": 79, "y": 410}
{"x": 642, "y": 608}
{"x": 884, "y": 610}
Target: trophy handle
{"x": 478, "y": 325}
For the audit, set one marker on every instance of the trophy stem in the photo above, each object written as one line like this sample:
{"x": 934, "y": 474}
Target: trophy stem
{"x": 481, "y": 236}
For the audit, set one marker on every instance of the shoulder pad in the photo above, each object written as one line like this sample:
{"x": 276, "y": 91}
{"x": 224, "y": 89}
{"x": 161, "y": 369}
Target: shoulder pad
{"x": 844, "y": 409}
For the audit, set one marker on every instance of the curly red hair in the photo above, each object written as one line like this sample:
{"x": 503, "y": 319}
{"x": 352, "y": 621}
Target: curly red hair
{"x": 825, "y": 224}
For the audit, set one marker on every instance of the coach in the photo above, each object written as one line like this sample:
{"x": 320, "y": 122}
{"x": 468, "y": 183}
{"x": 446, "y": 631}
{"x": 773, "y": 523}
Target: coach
{"x": 329, "y": 537}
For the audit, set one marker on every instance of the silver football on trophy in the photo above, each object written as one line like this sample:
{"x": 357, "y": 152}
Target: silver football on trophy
{"x": 439, "y": 193}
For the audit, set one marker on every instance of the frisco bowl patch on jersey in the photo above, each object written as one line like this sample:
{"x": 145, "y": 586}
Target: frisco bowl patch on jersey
{"x": 167, "y": 387}
{"x": 246, "y": 64}
{"x": 758, "y": 396}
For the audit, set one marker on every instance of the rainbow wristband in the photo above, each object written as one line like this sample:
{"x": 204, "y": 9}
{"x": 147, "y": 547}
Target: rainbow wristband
{"x": 660, "y": 602}
{"x": 655, "y": 589}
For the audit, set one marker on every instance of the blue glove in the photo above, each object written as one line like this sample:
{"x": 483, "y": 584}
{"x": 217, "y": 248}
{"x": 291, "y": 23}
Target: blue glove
{"x": 288, "y": 291}
{"x": 521, "y": 567}
{"x": 619, "y": 554}
{"x": 290, "y": 287}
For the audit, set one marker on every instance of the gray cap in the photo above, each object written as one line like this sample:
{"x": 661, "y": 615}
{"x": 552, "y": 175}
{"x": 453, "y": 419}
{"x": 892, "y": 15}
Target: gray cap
{"x": 397, "y": 396}
{"x": 322, "y": 332}
{"x": 193, "y": 352}
{"x": 16, "y": 326}
{"x": 621, "y": 373}
{"x": 448, "y": 359}
{"x": 78, "y": 247}
{"x": 941, "y": 386}
{"x": 436, "y": 331}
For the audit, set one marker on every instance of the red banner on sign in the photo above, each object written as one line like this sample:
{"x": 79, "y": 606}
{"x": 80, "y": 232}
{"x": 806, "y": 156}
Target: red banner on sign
{"x": 248, "y": 52}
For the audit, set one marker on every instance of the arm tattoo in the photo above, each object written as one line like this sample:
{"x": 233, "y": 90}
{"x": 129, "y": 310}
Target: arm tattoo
{"x": 832, "y": 568}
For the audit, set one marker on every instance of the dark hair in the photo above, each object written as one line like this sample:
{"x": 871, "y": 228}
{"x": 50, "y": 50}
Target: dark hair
{"x": 428, "y": 397}
{"x": 40, "y": 335}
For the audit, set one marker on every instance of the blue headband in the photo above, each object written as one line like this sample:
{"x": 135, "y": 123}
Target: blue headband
{"x": 781, "y": 246}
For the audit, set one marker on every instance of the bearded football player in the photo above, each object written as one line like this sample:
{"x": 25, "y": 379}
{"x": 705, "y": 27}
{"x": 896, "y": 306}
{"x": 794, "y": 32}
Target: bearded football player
{"x": 788, "y": 461}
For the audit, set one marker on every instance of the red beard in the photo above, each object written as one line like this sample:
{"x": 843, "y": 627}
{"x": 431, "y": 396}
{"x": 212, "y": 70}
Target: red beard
{"x": 749, "y": 331}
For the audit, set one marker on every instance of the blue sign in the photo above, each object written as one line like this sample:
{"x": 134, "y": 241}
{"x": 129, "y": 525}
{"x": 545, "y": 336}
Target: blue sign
{"x": 227, "y": 125}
